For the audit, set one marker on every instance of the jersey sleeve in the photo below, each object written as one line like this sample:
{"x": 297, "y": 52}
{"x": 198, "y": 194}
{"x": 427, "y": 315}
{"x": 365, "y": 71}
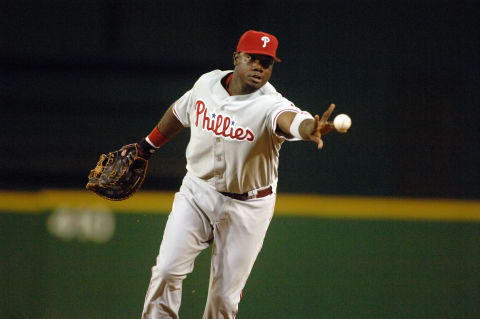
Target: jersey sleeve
{"x": 280, "y": 107}
{"x": 181, "y": 108}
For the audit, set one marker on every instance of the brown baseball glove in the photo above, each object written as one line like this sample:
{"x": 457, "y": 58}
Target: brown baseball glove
{"x": 118, "y": 175}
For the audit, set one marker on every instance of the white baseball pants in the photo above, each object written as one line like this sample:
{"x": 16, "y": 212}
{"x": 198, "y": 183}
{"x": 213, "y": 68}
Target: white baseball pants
{"x": 199, "y": 215}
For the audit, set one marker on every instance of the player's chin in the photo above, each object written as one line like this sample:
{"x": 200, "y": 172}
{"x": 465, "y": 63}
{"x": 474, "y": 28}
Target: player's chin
{"x": 256, "y": 84}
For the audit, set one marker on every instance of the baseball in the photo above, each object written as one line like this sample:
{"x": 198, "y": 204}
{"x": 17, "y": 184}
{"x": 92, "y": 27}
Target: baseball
{"x": 342, "y": 122}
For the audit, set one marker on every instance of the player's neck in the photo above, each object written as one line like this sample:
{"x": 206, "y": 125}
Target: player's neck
{"x": 236, "y": 87}
{"x": 227, "y": 83}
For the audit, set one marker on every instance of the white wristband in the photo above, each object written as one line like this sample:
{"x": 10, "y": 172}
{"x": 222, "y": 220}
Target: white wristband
{"x": 297, "y": 120}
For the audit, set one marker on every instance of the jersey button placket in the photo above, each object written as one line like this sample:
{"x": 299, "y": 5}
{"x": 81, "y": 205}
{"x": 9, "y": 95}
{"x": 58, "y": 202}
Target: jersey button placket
{"x": 219, "y": 164}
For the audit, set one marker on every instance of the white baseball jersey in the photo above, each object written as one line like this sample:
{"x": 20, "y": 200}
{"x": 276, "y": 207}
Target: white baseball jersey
{"x": 233, "y": 144}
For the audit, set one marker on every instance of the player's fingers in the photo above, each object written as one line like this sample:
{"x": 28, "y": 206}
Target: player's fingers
{"x": 327, "y": 113}
{"x": 317, "y": 124}
{"x": 316, "y": 137}
{"x": 320, "y": 144}
{"x": 327, "y": 128}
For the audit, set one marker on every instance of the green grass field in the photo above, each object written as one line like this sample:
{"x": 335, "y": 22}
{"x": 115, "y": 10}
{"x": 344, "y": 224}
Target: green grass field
{"x": 311, "y": 266}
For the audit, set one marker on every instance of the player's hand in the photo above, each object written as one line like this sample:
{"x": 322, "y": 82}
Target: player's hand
{"x": 141, "y": 152}
{"x": 322, "y": 126}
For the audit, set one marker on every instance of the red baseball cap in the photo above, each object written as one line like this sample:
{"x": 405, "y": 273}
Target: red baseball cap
{"x": 258, "y": 42}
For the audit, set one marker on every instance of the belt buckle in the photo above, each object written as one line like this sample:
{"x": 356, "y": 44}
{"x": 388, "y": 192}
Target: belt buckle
{"x": 252, "y": 194}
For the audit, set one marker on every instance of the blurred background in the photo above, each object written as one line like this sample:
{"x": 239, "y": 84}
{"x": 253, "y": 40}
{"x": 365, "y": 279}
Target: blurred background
{"x": 79, "y": 78}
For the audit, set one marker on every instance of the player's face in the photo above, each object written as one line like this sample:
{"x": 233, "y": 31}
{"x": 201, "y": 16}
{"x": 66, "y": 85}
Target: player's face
{"x": 254, "y": 70}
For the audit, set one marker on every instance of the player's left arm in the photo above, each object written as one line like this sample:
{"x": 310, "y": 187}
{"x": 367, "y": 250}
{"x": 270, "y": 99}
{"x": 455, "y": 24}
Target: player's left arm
{"x": 309, "y": 129}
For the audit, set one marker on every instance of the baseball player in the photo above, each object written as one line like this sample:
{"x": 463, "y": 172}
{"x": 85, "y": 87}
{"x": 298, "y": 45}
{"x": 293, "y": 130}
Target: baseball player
{"x": 237, "y": 123}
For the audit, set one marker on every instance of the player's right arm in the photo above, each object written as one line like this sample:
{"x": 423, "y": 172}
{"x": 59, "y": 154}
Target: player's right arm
{"x": 167, "y": 128}
{"x": 169, "y": 125}
{"x": 172, "y": 122}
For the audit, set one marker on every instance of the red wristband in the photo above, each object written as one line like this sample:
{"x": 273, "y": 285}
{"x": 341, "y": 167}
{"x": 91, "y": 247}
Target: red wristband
{"x": 156, "y": 139}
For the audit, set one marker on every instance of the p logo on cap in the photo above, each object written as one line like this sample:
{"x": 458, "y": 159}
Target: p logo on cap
{"x": 257, "y": 42}
{"x": 265, "y": 40}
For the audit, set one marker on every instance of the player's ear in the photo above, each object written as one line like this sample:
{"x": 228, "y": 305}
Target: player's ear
{"x": 235, "y": 58}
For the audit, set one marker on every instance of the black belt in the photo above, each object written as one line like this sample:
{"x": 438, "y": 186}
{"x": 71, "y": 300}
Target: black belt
{"x": 245, "y": 196}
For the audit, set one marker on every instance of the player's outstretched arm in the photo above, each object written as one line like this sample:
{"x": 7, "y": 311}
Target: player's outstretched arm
{"x": 309, "y": 129}
{"x": 312, "y": 130}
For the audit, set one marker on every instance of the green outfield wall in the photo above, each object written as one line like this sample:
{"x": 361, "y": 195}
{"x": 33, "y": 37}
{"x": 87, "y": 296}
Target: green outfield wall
{"x": 69, "y": 255}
